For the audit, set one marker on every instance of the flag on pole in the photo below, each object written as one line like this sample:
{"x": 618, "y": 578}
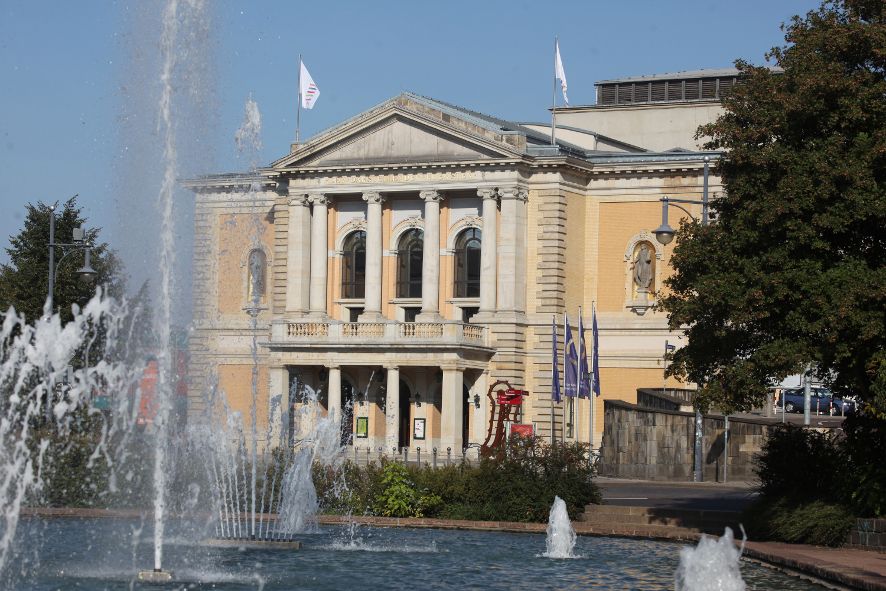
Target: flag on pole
{"x": 307, "y": 88}
{"x": 560, "y": 73}
{"x": 555, "y": 372}
{"x": 570, "y": 363}
{"x": 595, "y": 369}
{"x": 584, "y": 374}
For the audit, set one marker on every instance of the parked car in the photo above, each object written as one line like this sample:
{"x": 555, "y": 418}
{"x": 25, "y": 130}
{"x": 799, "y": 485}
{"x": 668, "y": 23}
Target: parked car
{"x": 822, "y": 401}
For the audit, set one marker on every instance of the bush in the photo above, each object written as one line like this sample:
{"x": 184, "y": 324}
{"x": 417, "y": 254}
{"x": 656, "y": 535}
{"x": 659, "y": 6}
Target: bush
{"x": 864, "y": 448}
{"x": 815, "y": 523}
{"x": 518, "y": 484}
{"x": 801, "y": 465}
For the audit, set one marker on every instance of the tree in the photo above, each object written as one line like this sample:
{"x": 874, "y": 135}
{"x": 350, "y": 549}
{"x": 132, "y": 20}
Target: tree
{"x": 792, "y": 271}
{"x": 24, "y": 281}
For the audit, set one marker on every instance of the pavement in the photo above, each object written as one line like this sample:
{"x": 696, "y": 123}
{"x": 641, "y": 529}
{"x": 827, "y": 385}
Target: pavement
{"x": 848, "y": 567}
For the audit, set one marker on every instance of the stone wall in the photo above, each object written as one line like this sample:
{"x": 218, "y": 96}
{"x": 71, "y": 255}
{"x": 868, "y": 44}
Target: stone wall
{"x": 658, "y": 444}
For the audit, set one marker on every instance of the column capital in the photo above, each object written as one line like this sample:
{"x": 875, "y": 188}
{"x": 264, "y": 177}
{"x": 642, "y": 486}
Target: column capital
{"x": 486, "y": 193}
{"x": 390, "y": 367}
{"x": 319, "y": 199}
{"x": 431, "y": 195}
{"x": 373, "y": 197}
{"x": 300, "y": 199}
{"x": 518, "y": 193}
{"x": 332, "y": 366}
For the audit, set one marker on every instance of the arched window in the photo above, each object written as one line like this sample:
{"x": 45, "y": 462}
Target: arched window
{"x": 467, "y": 264}
{"x": 353, "y": 273}
{"x": 255, "y": 286}
{"x": 409, "y": 257}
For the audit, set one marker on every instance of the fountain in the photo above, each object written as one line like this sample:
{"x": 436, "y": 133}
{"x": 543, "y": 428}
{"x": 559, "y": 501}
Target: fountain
{"x": 560, "y": 540}
{"x": 714, "y": 564}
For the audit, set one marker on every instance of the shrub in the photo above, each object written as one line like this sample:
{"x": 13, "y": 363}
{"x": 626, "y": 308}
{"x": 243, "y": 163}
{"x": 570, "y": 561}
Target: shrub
{"x": 864, "y": 449}
{"x": 816, "y": 523}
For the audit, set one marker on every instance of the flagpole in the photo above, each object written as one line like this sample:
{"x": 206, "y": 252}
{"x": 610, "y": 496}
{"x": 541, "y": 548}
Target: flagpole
{"x": 553, "y": 373}
{"x": 565, "y": 371}
{"x": 592, "y": 397}
{"x": 554, "y": 100}
{"x": 298, "y": 110}
{"x": 581, "y": 338}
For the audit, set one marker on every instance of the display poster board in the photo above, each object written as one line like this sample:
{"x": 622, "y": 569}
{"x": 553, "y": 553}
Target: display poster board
{"x": 362, "y": 427}
{"x": 418, "y": 429}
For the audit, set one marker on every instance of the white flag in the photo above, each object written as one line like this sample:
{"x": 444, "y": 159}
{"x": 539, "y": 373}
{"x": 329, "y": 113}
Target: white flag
{"x": 560, "y": 73}
{"x": 307, "y": 89}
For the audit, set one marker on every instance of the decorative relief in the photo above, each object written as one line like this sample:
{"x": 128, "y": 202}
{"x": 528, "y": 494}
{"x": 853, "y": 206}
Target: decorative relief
{"x": 302, "y": 200}
{"x": 319, "y": 199}
{"x": 373, "y": 197}
{"x": 431, "y": 195}
{"x": 342, "y": 233}
{"x": 518, "y": 193}
{"x": 381, "y": 179}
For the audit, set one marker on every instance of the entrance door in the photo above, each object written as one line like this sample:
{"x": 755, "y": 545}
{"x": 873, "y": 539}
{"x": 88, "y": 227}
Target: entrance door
{"x": 347, "y": 413}
{"x": 465, "y": 409}
{"x": 405, "y": 424}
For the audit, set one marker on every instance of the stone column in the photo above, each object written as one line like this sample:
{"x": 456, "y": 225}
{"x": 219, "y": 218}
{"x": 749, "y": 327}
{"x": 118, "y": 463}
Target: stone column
{"x": 392, "y": 412}
{"x": 488, "y": 251}
{"x": 319, "y": 254}
{"x": 430, "y": 271}
{"x": 298, "y": 254}
{"x": 334, "y": 404}
{"x": 372, "y": 306}
{"x": 451, "y": 411}
{"x": 512, "y": 250}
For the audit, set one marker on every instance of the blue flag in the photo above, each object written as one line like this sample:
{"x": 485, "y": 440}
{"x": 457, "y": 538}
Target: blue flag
{"x": 596, "y": 357}
{"x": 584, "y": 374}
{"x": 570, "y": 363}
{"x": 555, "y": 373}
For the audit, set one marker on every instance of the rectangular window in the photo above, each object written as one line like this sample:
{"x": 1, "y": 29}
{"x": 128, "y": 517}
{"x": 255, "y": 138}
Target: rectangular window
{"x": 354, "y": 314}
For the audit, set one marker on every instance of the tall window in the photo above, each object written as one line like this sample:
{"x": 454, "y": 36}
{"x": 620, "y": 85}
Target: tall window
{"x": 353, "y": 275}
{"x": 467, "y": 264}
{"x": 409, "y": 257}
{"x": 255, "y": 287}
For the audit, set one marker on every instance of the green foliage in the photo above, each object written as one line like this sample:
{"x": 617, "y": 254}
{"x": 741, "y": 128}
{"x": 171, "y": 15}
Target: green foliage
{"x": 814, "y": 484}
{"x": 792, "y": 272}
{"x": 815, "y": 523}
{"x": 864, "y": 450}
{"x": 801, "y": 465}
{"x": 517, "y": 485}
{"x": 24, "y": 281}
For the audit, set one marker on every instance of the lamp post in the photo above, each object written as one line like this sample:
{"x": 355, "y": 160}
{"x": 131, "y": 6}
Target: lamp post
{"x": 86, "y": 272}
{"x": 665, "y": 234}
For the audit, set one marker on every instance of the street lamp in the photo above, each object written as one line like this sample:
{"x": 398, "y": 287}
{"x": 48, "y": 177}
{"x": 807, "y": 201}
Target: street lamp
{"x": 86, "y": 272}
{"x": 665, "y": 234}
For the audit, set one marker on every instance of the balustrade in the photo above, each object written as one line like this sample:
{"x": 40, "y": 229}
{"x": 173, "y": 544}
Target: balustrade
{"x": 453, "y": 333}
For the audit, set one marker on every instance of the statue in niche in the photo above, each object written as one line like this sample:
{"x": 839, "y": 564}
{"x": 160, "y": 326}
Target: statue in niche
{"x": 643, "y": 271}
{"x": 256, "y": 285}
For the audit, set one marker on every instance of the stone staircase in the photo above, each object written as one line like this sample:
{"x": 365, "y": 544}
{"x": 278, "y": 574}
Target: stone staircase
{"x": 658, "y": 522}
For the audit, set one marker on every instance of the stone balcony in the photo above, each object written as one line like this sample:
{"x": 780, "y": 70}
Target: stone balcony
{"x": 390, "y": 334}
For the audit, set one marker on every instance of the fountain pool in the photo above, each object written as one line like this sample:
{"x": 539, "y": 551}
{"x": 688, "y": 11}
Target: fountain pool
{"x": 96, "y": 554}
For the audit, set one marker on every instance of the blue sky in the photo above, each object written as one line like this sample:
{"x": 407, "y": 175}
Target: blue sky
{"x": 65, "y": 67}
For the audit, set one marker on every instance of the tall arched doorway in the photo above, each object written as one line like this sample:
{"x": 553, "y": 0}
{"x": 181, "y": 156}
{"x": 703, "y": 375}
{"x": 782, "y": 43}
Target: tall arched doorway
{"x": 405, "y": 435}
{"x": 348, "y": 398}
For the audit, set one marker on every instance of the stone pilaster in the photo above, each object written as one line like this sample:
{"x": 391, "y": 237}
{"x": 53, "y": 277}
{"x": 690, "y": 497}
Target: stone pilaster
{"x": 488, "y": 251}
{"x": 430, "y": 274}
{"x": 298, "y": 254}
{"x": 372, "y": 306}
{"x": 392, "y": 412}
{"x": 451, "y": 411}
{"x": 319, "y": 254}
{"x": 333, "y": 406}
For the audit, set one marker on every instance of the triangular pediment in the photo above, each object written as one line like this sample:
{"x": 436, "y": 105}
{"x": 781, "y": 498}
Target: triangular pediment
{"x": 395, "y": 134}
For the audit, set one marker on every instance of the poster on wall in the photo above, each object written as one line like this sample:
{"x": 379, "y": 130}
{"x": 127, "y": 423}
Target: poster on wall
{"x": 362, "y": 427}
{"x": 418, "y": 429}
